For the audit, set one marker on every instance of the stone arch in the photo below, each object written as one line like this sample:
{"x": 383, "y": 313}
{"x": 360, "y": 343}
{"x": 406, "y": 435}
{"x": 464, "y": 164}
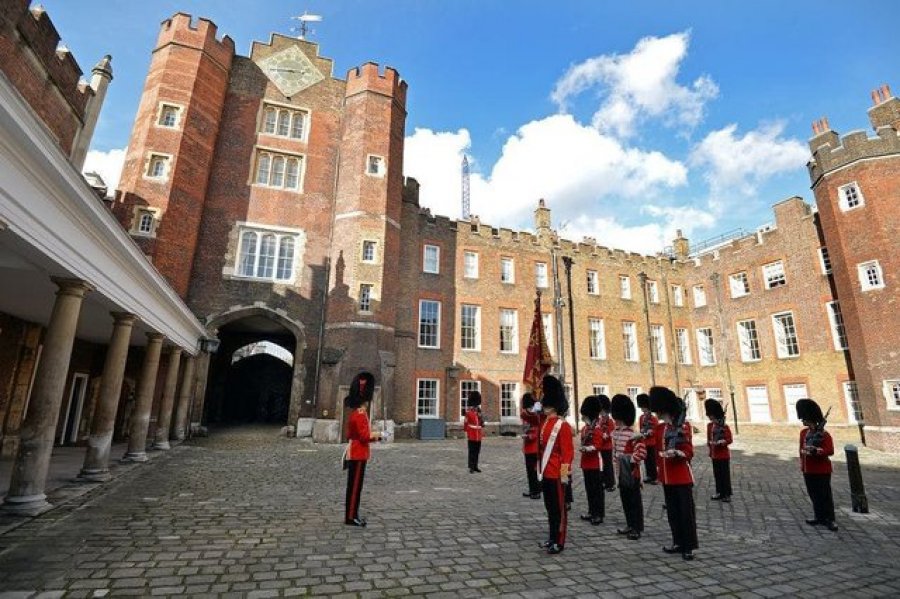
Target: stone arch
{"x": 214, "y": 322}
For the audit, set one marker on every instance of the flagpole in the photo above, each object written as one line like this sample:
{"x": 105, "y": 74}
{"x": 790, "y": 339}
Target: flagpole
{"x": 567, "y": 262}
{"x": 558, "y": 304}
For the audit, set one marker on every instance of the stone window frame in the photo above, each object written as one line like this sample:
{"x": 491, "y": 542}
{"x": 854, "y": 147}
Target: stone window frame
{"x": 652, "y": 291}
{"x": 293, "y": 112}
{"x": 231, "y": 270}
{"x": 512, "y": 270}
{"x": 770, "y": 282}
{"x": 891, "y": 389}
{"x": 844, "y": 200}
{"x": 436, "y": 413}
{"x": 381, "y": 163}
{"x": 366, "y": 308}
{"x": 466, "y": 386}
{"x": 362, "y": 251}
{"x": 625, "y": 287}
{"x": 152, "y": 156}
{"x": 272, "y": 153}
{"x": 138, "y": 213}
{"x": 742, "y": 279}
{"x": 179, "y": 112}
{"x": 862, "y": 270}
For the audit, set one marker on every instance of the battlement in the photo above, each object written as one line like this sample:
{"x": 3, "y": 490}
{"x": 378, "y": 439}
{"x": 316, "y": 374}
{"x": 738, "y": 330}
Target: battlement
{"x": 369, "y": 77}
{"x": 38, "y": 33}
{"x": 181, "y": 29}
{"x": 831, "y": 151}
{"x": 410, "y": 192}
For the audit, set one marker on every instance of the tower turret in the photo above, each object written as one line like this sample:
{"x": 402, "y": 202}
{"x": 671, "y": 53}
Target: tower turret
{"x": 101, "y": 76}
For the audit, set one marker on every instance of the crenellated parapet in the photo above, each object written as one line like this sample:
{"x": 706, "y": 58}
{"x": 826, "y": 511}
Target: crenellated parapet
{"x": 370, "y": 78}
{"x": 182, "y": 30}
{"x": 831, "y": 151}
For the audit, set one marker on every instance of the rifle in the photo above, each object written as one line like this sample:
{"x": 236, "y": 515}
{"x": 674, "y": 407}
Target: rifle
{"x": 719, "y": 428}
{"x": 675, "y": 435}
{"x": 815, "y": 437}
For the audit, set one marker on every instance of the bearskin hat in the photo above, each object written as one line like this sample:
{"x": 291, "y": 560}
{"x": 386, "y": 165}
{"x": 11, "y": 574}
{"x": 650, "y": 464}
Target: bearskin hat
{"x": 554, "y": 395}
{"x": 604, "y": 403}
{"x": 527, "y": 401}
{"x": 643, "y": 400}
{"x": 361, "y": 390}
{"x": 622, "y": 409}
{"x": 590, "y": 407}
{"x": 474, "y": 399}
{"x": 808, "y": 409}
{"x": 664, "y": 401}
{"x": 714, "y": 409}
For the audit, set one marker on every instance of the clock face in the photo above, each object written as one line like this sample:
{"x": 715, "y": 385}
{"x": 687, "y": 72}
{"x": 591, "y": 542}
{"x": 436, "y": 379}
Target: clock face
{"x": 290, "y": 70}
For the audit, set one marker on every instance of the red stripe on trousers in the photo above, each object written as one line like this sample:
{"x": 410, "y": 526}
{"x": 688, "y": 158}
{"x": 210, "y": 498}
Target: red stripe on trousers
{"x": 353, "y": 506}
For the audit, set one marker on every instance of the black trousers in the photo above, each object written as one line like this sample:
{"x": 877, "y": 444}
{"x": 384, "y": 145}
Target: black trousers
{"x": 633, "y": 506}
{"x": 474, "y": 452}
{"x": 570, "y": 497}
{"x": 819, "y": 488}
{"x": 609, "y": 475}
{"x": 555, "y": 503}
{"x": 650, "y": 463}
{"x": 593, "y": 487}
{"x": 531, "y": 462}
{"x": 722, "y": 473}
{"x": 682, "y": 515}
{"x": 356, "y": 474}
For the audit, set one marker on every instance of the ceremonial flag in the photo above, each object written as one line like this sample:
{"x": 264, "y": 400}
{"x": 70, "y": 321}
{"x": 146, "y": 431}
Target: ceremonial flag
{"x": 537, "y": 359}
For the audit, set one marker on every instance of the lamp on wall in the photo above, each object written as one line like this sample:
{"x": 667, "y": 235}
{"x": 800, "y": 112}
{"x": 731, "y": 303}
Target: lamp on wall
{"x": 209, "y": 344}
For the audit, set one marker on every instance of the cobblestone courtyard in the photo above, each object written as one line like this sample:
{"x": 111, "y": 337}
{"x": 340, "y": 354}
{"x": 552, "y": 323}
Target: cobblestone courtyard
{"x": 248, "y": 513}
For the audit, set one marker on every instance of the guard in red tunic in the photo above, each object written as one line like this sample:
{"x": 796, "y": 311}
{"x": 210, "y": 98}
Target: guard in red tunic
{"x": 718, "y": 438}
{"x": 606, "y": 426}
{"x": 628, "y": 452}
{"x": 647, "y": 430}
{"x": 675, "y": 453}
{"x": 556, "y": 462}
{"x": 591, "y": 462}
{"x": 359, "y": 434}
{"x": 474, "y": 427}
{"x": 816, "y": 445}
{"x": 532, "y": 418}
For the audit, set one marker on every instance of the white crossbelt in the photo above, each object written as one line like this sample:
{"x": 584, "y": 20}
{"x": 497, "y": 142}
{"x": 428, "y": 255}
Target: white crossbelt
{"x": 549, "y": 449}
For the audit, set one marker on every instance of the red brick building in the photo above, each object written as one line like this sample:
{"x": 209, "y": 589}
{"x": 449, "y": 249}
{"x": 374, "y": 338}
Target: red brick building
{"x": 271, "y": 194}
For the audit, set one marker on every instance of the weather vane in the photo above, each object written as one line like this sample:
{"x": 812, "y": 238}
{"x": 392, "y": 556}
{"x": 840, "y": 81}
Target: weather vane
{"x": 303, "y": 28}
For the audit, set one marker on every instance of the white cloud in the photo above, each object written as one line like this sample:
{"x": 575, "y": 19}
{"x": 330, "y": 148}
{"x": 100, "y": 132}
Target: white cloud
{"x": 639, "y": 84}
{"x": 737, "y": 164}
{"x": 575, "y": 167}
{"x": 107, "y": 164}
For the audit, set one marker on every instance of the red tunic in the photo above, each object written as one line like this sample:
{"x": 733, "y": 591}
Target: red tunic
{"x": 591, "y": 460}
{"x": 532, "y": 422}
{"x": 819, "y": 463}
{"x": 718, "y": 452}
{"x": 563, "y": 450}
{"x": 604, "y": 435}
{"x": 359, "y": 435}
{"x": 676, "y": 470}
{"x": 649, "y": 440}
{"x": 474, "y": 425}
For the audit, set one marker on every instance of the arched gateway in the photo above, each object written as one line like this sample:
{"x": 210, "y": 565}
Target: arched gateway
{"x": 249, "y": 379}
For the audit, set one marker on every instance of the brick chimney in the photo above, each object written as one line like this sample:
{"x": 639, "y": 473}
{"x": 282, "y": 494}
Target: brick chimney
{"x": 681, "y": 246}
{"x": 885, "y": 111}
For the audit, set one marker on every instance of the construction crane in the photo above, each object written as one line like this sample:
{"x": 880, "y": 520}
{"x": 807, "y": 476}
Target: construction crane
{"x": 466, "y": 213}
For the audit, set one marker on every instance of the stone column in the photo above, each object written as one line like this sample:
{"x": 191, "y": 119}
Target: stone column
{"x": 143, "y": 401}
{"x": 196, "y": 409}
{"x": 164, "y": 420}
{"x": 96, "y": 460}
{"x": 29, "y": 475}
{"x": 184, "y": 400}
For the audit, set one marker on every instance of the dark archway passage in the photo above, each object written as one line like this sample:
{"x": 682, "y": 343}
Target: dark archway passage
{"x": 258, "y": 389}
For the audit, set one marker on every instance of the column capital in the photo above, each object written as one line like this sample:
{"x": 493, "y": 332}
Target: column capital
{"x": 123, "y": 317}
{"x": 155, "y": 337}
{"x": 174, "y": 349}
{"x": 67, "y": 286}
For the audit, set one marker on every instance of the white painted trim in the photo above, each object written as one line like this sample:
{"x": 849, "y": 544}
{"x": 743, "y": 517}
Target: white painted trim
{"x": 359, "y": 213}
{"x": 354, "y": 324}
{"x": 882, "y": 429}
{"x": 48, "y": 204}
{"x": 437, "y": 407}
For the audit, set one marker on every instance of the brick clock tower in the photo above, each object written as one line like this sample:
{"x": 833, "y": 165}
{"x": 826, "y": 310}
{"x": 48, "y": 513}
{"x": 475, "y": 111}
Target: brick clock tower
{"x": 856, "y": 181}
{"x": 269, "y": 193}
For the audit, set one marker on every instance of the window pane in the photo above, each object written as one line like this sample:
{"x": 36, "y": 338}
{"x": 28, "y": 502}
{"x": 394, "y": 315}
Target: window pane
{"x": 285, "y": 258}
{"x": 292, "y": 179}
{"x": 470, "y": 260}
{"x": 427, "y": 398}
{"x": 508, "y": 331}
{"x": 683, "y": 346}
{"x": 658, "y": 337}
{"x": 269, "y": 124}
{"x": 248, "y": 254}
{"x": 429, "y": 316}
{"x": 297, "y": 125}
{"x": 262, "y": 169}
{"x": 625, "y": 287}
{"x": 508, "y": 394}
{"x": 597, "y": 339}
{"x": 785, "y": 335}
{"x": 278, "y": 171}
{"x": 365, "y": 298}
{"x": 146, "y": 223}
{"x": 266, "y": 257}
{"x": 284, "y": 122}
{"x": 838, "y": 332}
{"x": 431, "y": 260}
{"x": 629, "y": 341}
{"x": 507, "y": 273}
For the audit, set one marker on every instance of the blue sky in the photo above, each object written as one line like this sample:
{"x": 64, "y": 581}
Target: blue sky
{"x": 632, "y": 119}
